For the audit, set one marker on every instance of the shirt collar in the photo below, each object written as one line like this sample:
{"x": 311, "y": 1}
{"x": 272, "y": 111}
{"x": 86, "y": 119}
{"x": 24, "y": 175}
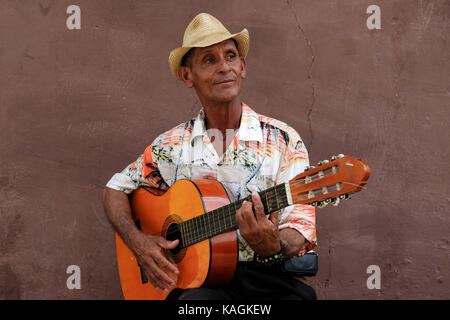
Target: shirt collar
{"x": 199, "y": 128}
{"x": 249, "y": 129}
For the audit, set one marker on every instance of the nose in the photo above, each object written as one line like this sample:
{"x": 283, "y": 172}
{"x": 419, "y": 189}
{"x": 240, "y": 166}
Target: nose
{"x": 224, "y": 66}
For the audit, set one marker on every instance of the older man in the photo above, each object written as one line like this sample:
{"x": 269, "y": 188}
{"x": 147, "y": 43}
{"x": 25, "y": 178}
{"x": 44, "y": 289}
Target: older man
{"x": 228, "y": 141}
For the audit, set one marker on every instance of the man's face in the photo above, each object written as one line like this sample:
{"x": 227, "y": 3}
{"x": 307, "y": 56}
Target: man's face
{"x": 215, "y": 72}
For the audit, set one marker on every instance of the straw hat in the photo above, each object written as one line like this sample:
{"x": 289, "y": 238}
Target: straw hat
{"x": 203, "y": 31}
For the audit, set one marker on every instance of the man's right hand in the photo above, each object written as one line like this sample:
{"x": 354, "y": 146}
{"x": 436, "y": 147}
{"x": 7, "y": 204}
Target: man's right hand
{"x": 149, "y": 253}
{"x": 147, "y": 249}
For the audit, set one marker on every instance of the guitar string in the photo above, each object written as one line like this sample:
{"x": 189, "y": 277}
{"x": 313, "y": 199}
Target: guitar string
{"x": 191, "y": 232}
{"x": 224, "y": 215}
{"x": 202, "y": 234}
{"x": 188, "y": 230}
{"x": 271, "y": 193}
{"x": 221, "y": 213}
{"x": 195, "y": 235}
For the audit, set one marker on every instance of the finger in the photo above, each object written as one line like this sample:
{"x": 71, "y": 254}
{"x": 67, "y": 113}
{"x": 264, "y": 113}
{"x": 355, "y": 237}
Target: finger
{"x": 157, "y": 283}
{"x": 247, "y": 214}
{"x": 166, "y": 244}
{"x": 257, "y": 204}
{"x": 274, "y": 218}
{"x": 162, "y": 261}
{"x": 241, "y": 222}
{"x": 162, "y": 276}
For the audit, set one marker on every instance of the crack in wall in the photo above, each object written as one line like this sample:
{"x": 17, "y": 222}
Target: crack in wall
{"x": 310, "y": 78}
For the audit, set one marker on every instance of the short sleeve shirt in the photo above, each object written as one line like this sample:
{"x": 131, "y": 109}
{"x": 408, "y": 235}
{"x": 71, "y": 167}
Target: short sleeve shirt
{"x": 264, "y": 152}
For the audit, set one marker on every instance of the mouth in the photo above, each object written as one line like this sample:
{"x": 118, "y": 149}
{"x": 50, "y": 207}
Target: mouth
{"x": 226, "y": 81}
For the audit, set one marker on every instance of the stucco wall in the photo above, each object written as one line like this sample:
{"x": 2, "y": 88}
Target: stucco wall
{"x": 76, "y": 106}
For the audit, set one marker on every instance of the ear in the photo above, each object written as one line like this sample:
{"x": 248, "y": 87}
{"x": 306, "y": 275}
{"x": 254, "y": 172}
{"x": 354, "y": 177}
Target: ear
{"x": 244, "y": 67}
{"x": 185, "y": 75}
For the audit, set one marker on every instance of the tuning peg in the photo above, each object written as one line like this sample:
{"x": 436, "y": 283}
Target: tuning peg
{"x": 322, "y": 162}
{"x": 309, "y": 168}
{"x": 335, "y": 201}
{"x": 322, "y": 204}
{"x": 334, "y": 158}
{"x": 344, "y": 196}
{"x": 340, "y": 155}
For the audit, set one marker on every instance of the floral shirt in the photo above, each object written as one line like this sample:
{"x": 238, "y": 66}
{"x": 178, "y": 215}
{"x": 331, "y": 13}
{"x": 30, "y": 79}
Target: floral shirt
{"x": 264, "y": 152}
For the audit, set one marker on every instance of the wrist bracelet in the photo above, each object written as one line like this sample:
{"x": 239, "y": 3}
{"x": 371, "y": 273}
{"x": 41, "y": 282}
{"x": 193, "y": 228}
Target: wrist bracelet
{"x": 273, "y": 259}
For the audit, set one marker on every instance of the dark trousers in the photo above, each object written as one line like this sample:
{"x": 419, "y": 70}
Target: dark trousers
{"x": 250, "y": 282}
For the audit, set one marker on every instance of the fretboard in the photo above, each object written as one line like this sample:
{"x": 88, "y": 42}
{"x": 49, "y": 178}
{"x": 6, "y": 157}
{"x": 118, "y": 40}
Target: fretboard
{"x": 224, "y": 218}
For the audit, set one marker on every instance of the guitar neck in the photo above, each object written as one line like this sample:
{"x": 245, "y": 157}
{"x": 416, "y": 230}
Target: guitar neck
{"x": 224, "y": 218}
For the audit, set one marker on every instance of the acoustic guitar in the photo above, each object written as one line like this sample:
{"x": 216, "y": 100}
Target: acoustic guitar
{"x": 199, "y": 213}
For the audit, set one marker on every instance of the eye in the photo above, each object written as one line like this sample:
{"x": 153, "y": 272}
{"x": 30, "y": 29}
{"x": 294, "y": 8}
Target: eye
{"x": 231, "y": 55}
{"x": 209, "y": 60}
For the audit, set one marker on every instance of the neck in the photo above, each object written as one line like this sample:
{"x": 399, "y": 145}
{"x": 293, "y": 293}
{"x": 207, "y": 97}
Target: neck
{"x": 223, "y": 115}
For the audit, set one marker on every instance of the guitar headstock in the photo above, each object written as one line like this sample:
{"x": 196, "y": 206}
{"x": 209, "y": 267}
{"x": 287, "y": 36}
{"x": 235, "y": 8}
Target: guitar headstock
{"x": 330, "y": 181}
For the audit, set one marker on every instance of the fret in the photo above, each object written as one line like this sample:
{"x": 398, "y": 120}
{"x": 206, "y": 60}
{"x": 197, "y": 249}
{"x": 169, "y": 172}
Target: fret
{"x": 201, "y": 226}
{"x": 273, "y": 200}
{"x": 212, "y": 228}
{"x": 186, "y": 237}
{"x": 284, "y": 194}
{"x": 269, "y": 206}
{"x": 230, "y": 215}
{"x": 181, "y": 228}
{"x": 267, "y": 201}
{"x": 213, "y": 214}
{"x": 204, "y": 230}
{"x": 194, "y": 228}
{"x": 222, "y": 219}
{"x": 231, "y": 211}
{"x": 286, "y": 191}
{"x": 233, "y": 219}
{"x": 197, "y": 228}
{"x": 276, "y": 197}
{"x": 208, "y": 224}
{"x": 223, "y": 226}
{"x": 188, "y": 233}
{"x": 236, "y": 205}
{"x": 186, "y": 227}
{"x": 279, "y": 197}
{"x": 204, "y": 224}
{"x": 225, "y": 217}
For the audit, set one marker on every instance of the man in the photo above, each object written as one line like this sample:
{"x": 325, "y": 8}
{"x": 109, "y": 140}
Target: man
{"x": 227, "y": 141}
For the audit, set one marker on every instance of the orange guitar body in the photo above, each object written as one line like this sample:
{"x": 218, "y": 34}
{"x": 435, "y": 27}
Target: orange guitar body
{"x": 210, "y": 262}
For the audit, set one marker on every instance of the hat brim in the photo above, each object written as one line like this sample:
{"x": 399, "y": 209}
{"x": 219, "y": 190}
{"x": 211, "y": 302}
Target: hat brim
{"x": 176, "y": 55}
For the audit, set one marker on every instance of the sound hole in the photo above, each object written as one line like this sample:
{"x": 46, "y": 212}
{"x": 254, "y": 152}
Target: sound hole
{"x": 173, "y": 233}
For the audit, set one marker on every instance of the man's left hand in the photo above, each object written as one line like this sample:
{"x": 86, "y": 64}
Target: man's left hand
{"x": 260, "y": 233}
